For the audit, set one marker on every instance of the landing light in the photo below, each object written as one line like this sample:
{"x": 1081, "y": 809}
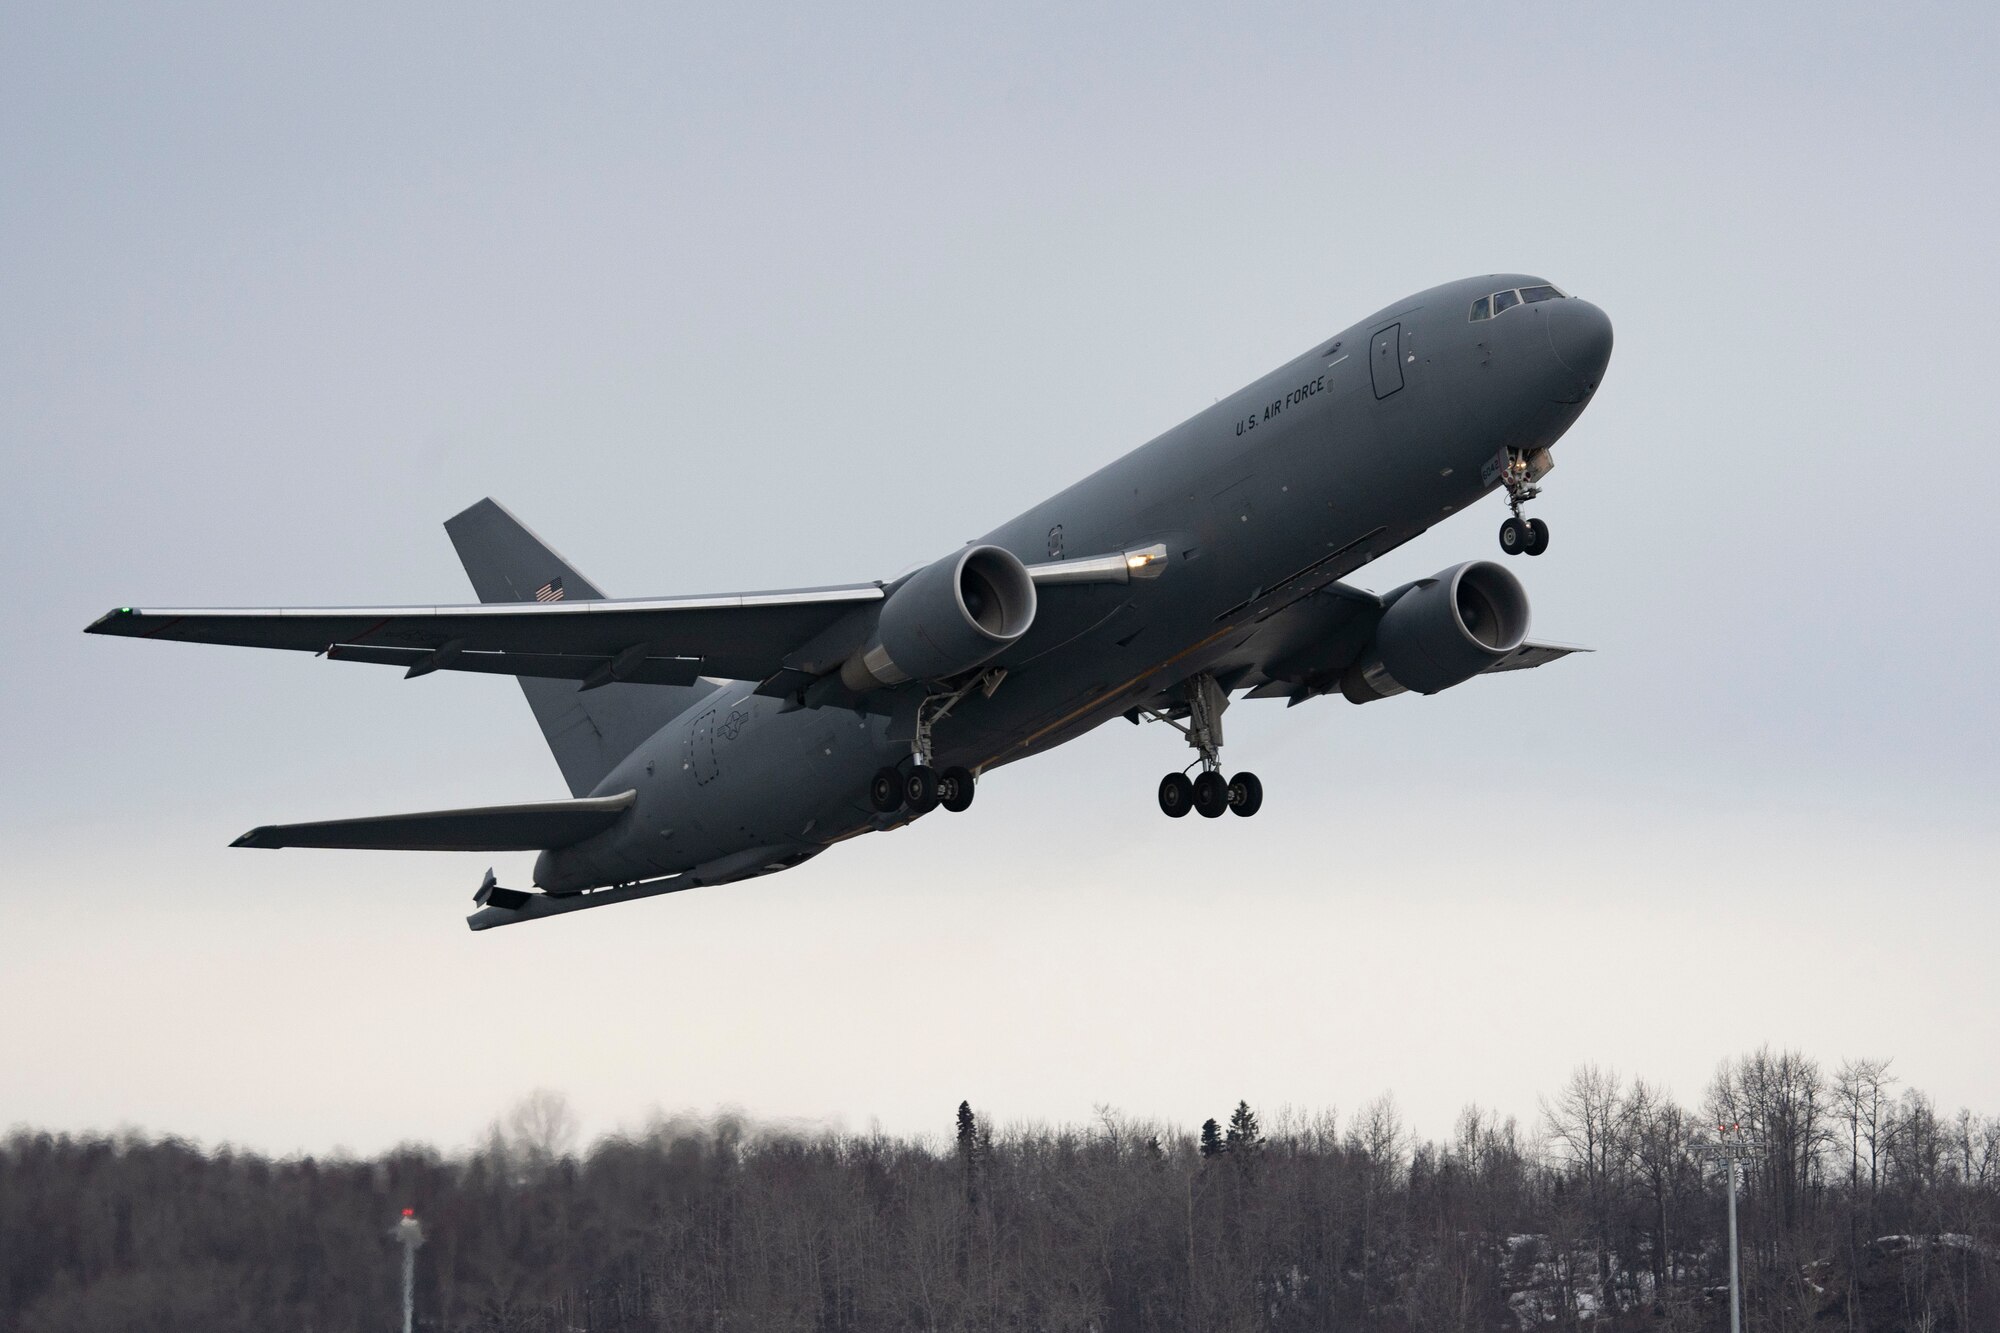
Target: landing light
{"x": 1148, "y": 563}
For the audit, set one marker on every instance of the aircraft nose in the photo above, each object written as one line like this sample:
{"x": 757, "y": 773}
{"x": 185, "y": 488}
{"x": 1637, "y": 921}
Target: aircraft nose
{"x": 1580, "y": 336}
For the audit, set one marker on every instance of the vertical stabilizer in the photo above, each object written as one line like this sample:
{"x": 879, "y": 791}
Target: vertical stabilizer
{"x": 589, "y": 732}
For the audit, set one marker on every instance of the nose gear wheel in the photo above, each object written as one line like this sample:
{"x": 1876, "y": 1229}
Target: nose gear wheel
{"x": 1519, "y": 474}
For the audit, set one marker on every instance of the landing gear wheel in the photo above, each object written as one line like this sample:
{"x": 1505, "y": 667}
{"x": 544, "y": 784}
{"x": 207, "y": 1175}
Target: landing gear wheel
{"x": 1176, "y": 795}
{"x": 955, "y": 786}
{"x": 1246, "y": 794}
{"x": 885, "y": 790}
{"x": 920, "y": 789}
{"x": 1211, "y": 794}
{"x": 1513, "y": 536}
{"x": 1538, "y": 537}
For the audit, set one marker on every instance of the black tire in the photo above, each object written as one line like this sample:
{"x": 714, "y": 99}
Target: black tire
{"x": 1538, "y": 537}
{"x": 1513, "y": 536}
{"x": 955, "y": 788}
{"x": 1176, "y": 795}
{"x": 1211, "y": 795}
{"x": 1246, "y": 794}
{"x": 885, "y": 790}
{"x": 920, "y": 789}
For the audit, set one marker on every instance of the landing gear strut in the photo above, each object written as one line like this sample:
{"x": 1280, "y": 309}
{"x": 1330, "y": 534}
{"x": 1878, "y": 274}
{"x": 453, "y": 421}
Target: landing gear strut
{"x": 1519, "y": 474}
{"x": 1208, "y": 793}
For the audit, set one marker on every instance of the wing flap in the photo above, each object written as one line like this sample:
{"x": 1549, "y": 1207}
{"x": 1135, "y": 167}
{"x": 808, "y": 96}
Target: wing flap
{"x": 644, "y": 669}
{"x": 526, "y": 827}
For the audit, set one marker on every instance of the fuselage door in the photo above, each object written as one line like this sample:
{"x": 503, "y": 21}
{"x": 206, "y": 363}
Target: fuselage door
{"x": 701, "y": 749}
{"x": 1385, "y": 360}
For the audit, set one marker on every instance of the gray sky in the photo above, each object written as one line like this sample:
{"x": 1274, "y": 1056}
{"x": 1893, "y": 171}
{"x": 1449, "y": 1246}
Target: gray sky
{"x": 740, "y": 297}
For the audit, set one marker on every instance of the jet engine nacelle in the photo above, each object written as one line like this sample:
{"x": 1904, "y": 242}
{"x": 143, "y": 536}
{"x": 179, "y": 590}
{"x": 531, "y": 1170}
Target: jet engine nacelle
{"x": 946, "y": 618}
{"x": 1441, "y": 632}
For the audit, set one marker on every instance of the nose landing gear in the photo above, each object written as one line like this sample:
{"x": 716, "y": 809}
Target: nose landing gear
{"x": 1209, "y": 793}
{"x": 1519, "y": 472}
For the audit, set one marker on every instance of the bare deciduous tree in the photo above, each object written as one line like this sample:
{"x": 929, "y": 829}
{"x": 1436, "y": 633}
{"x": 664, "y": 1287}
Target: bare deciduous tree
{"x": 1606, "y": 1224}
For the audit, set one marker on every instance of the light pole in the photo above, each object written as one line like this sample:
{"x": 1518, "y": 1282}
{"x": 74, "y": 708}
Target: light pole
{"x": 409, "y": 1234}
{"x": 1733, "y": 1147}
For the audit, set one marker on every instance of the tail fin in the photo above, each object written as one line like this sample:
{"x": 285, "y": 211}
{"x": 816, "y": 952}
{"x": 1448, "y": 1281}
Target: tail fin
{"x": 588, "y": 732}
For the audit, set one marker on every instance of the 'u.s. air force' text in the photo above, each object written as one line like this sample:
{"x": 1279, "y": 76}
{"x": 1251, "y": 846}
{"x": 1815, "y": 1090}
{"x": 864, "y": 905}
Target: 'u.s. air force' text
{"x": 1317, "y": 384}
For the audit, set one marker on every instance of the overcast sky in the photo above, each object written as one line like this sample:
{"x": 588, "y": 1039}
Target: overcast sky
{"x": 741, "y": 297}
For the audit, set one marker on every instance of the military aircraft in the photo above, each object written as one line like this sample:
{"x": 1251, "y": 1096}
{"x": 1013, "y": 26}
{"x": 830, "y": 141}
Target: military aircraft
{"x": 711, "y": 739}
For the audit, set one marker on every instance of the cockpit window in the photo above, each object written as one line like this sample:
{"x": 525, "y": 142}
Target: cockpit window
{"x": 1489, "y": 307}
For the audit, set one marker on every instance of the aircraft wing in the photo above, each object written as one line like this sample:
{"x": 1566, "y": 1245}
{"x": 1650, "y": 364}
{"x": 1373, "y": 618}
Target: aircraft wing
{"x": 531, "y": 826}
{"x": 1300, "y": 652}
{"x": 666, "y": 641}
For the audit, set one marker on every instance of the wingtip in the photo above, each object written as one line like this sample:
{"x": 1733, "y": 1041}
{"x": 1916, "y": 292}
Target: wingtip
{"x": 103, "y": 624}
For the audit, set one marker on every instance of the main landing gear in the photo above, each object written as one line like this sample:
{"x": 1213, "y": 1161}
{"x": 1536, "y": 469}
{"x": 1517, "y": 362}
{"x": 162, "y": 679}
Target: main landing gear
{"x": 923, "y": 789}
{"x": 920, "y": 786}
{"x": 1208, "y": 793}
{"x": 1518, "y": 474}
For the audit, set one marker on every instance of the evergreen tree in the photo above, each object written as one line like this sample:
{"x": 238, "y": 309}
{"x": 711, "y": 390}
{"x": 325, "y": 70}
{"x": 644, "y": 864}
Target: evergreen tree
{"x": 1243, "y": 1136}
{"x": 968, "y": 1151}
{"x": 1211, "y": 1138}
{"x": 968, "y": 1133}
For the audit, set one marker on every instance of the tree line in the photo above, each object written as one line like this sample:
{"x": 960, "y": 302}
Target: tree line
{"x": 1867, "y": 1208}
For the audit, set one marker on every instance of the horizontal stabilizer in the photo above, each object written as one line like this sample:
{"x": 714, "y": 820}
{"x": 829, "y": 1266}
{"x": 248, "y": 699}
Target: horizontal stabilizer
{"x": 1533, "y": 654}
{"x": 528, "y": 827}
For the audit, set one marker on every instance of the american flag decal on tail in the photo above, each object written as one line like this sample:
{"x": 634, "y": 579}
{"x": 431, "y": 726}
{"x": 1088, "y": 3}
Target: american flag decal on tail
{"x": 550, "y": 591}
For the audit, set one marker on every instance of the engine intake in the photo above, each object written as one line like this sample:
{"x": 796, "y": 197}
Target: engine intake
{"x": 946, "y": 618}
{"x": 1441, "y": 632}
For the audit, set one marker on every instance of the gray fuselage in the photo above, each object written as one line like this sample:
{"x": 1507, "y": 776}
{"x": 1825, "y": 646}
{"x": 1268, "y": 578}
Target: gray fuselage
{"x": 1335, "y": 458}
